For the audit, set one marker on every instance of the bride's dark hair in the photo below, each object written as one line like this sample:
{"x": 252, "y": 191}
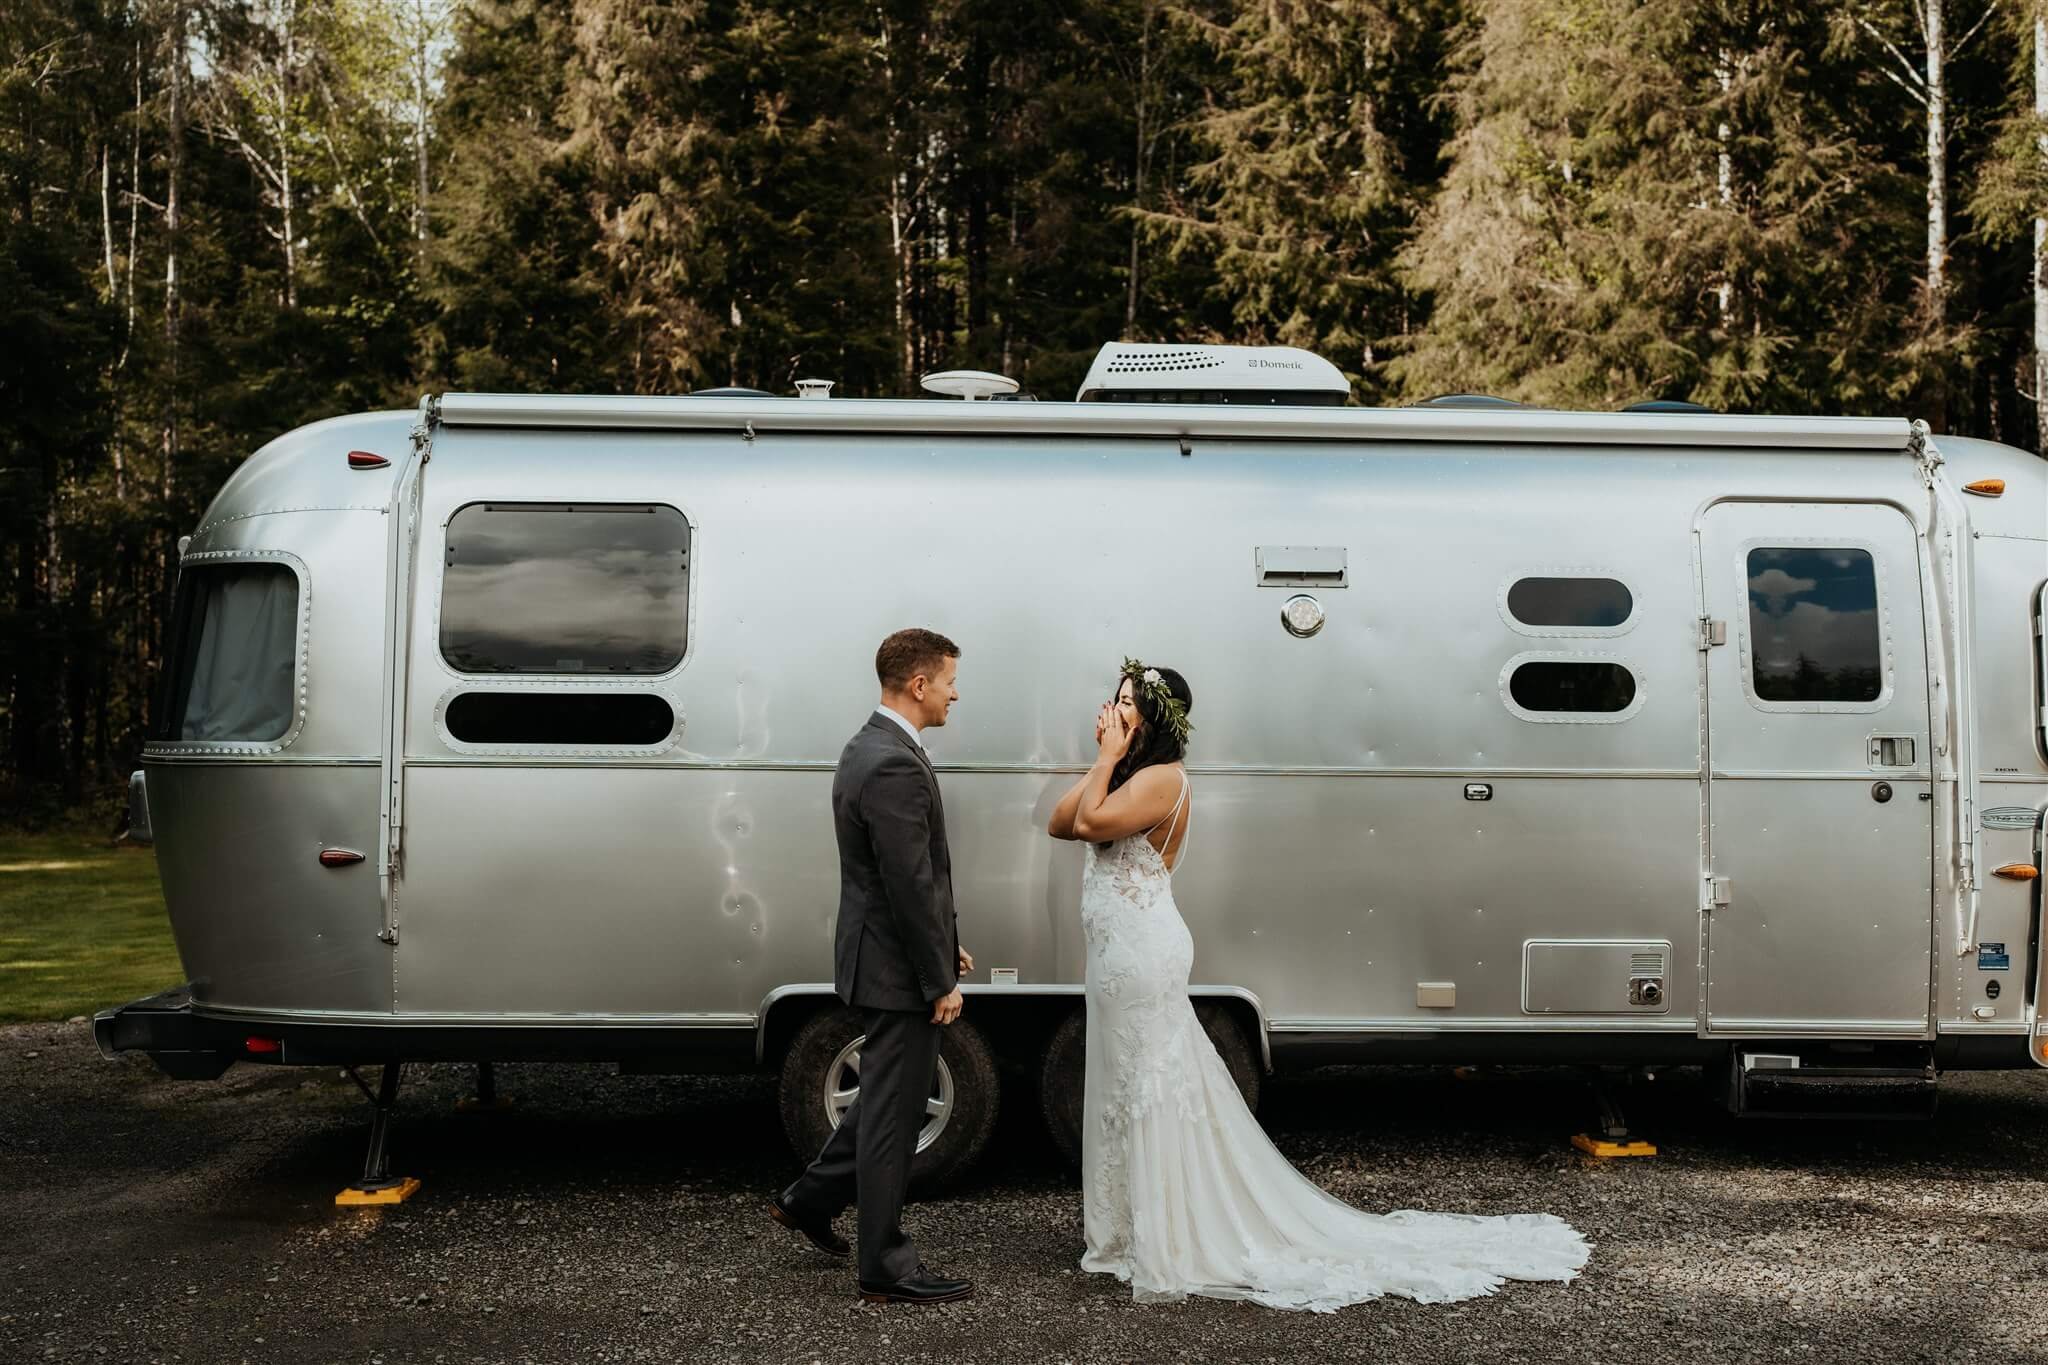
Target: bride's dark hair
{"x": 1155, "y": 742}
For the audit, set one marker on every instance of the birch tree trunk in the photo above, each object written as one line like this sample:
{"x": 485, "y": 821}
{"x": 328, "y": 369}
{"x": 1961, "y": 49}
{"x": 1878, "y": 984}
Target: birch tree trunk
{"x": 175, "y": 39}
{"x": 423, "y": 32}
{"x": 107, "y": 219}
{"x": 287, "y": 66}
{"x": 1724, "y": 293}
{"x": 1937, "y": 163}
{"x": 1140, "y": 164}
{"x": 134, "y": 225}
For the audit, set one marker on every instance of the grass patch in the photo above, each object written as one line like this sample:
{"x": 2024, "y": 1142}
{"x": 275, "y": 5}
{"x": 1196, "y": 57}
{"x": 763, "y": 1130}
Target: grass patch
{"x": 82, "y": 926}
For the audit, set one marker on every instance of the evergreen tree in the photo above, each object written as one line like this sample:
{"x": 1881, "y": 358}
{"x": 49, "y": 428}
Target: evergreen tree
{"x": 1303, "y": 186}
{"x": 512, "y": 266}
{"x": 1654, "y": 201}
{"x": 2011, "y": 197}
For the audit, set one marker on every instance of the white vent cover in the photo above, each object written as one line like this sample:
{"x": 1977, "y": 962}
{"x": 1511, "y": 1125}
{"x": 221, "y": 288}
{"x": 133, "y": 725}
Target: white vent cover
{"x": 1159, "y": 360}
{"x": 1149, "y": 373}
{"x": 968, "y": 384}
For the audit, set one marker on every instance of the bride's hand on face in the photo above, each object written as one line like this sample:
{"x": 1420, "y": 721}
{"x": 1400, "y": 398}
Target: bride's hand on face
{"x": 1102, "y": 720}
{"x": 1112, "y": 734}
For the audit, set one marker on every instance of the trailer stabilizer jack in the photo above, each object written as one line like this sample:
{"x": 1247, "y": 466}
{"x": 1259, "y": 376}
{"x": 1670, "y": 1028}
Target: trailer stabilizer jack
{"x": 1615, "y": 1139}
{"x": 378, "y": 1185}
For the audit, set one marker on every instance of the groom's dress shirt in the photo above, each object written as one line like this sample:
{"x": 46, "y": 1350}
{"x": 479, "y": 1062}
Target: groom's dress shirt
{"x": 916, "y": 737}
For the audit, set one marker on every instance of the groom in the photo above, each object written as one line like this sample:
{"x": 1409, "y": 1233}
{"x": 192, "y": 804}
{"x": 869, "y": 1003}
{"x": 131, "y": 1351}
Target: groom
{"x": 897, "y": 958}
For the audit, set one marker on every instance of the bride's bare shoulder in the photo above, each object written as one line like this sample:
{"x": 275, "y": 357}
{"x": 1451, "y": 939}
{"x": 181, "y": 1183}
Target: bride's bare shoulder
{"x": 1162, "y": 777}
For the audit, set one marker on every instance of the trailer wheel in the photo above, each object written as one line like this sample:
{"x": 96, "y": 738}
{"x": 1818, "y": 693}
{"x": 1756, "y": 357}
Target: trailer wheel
{"x": 821, "y": 1077}
{"x": 1062, "y": 1080}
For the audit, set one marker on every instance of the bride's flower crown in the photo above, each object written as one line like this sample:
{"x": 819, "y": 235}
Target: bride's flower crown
{"x": 1172, "y": 713}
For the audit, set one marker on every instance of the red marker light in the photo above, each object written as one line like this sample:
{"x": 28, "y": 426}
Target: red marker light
{"x": 363, "y": 459}
{"x": 262, "y": 1045}
{"x": 339, "y": 857}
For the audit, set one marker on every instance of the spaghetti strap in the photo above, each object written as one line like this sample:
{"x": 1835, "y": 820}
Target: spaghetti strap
{"x": 1173, "y": 818}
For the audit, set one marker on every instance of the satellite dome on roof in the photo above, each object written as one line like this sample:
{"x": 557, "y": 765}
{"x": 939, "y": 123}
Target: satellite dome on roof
{"x": 1139, "y": 372}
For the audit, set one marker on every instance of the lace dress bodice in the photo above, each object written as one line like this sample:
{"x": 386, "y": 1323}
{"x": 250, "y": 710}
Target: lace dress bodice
{"x": 1183, "y": 1193}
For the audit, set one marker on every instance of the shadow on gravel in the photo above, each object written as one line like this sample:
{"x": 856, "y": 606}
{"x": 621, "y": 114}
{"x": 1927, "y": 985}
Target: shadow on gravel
{"x": 569, "y": 1127}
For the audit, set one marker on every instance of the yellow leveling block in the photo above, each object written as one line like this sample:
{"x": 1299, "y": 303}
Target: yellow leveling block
{"x": 390, "y": 1194}
{"x": 1593, "y": 1146}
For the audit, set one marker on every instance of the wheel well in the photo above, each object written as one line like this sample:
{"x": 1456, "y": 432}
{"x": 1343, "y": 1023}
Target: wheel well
{"x": 1246, "y": 1016}
{"x": 781, "y": 1019}
{"x": 1017, "y": 1024}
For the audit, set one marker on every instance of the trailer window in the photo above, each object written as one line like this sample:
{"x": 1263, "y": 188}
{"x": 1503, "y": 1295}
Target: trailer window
{"x": 235, "y": 633}
{"x": 1572, "y": 685}
{"x": 1570, "y": 603}
{"x": 561, "y": 719}
{"x": 1813, "y": 627}
{"x": 556, "y": 588}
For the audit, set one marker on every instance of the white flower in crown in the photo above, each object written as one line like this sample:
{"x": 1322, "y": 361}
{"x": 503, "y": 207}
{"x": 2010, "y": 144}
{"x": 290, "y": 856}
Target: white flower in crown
{"x": 1152, "y": 675}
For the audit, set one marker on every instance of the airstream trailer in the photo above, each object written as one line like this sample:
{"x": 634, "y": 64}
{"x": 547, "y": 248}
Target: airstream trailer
{"x": 503, "y": 730}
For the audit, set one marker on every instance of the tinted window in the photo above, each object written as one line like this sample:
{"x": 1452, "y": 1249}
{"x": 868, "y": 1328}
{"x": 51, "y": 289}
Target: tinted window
{"x": 1572, "y": 685}
{"x": 1578, "y": 603}
{"x": 1813, "y": 630}
{"x": 576, "y": 719}
{"x": 235, "y": 632}
{"x": 550, "y": 588}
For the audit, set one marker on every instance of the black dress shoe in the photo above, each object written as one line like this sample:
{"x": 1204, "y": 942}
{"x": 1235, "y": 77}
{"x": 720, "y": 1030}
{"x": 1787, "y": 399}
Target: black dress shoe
{"x": 919, "y": 1286}
{"x": 817, "y": 1230}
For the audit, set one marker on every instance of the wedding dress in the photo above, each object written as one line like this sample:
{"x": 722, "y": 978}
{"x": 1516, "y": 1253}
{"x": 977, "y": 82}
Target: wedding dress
{"x": 1183, "y": 1192}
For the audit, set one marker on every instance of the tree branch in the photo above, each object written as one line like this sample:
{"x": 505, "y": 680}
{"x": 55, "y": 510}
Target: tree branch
{"x": 1982, "y": 19}
{"x": 1912, "y": 71}
{"x": 1893, "y": 77}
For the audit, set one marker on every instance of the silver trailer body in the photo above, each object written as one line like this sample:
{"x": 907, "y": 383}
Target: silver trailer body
{"x": 1411, "y": 838}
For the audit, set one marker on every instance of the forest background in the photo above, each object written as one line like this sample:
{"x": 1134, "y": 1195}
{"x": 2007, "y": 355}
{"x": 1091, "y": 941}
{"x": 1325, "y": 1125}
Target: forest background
{"x": 226, "y": 218}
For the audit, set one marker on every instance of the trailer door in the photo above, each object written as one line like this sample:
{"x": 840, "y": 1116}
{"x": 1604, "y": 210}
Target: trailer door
{"x": 1819, "y": 892}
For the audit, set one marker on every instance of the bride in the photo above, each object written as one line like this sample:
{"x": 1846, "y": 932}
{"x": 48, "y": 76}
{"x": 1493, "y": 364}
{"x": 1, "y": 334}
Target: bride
{"x": 1183, "y": 1193}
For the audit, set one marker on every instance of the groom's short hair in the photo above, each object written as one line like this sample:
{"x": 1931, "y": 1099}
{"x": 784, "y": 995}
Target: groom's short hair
{"x": 908, "y": 653}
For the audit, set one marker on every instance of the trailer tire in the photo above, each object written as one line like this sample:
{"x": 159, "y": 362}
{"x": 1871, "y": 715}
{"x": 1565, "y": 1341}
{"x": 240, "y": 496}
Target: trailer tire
{"x": 1062, "y": 1080}
{"x": 825, "y": 1053}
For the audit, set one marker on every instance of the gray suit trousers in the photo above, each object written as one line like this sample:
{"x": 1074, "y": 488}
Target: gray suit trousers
{"x": 867, "y": 1158}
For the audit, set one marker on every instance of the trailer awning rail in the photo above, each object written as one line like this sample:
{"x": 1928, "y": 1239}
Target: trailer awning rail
{"x": 842, "y": 416}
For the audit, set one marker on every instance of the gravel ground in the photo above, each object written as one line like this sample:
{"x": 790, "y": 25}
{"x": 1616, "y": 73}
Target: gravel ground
{"x": 610, "y": 1218}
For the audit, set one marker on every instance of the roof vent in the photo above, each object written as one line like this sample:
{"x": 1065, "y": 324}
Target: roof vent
{"x": 1469, "y": 400}
{"x": 729, "y": 391}
{"x": 968, "y": 384}
{"x": 1134, "y": 372}
{"x": 1667, "y": 405}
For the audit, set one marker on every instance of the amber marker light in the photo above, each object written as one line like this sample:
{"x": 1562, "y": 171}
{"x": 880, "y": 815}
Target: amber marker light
{"x": 2019, "y": 872}
{"x": 1986, "y": 488}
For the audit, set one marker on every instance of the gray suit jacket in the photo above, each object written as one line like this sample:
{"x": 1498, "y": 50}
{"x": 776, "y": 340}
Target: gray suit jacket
{"x": 898, "y": 941}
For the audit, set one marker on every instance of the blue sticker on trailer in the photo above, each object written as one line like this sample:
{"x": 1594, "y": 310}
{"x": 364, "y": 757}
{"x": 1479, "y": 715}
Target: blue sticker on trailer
{"x": 1992, "y": 957}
